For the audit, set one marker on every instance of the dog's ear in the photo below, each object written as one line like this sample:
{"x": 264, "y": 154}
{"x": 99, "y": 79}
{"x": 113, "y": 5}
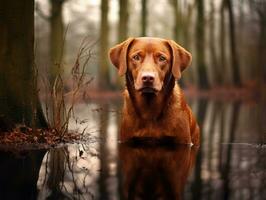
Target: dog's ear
{"x": 181, "y": 58}
{"x": 118, "y": 56}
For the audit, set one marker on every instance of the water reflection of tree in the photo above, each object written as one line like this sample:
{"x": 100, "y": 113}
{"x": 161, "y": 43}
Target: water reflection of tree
{"x": 109, "y": 176}
{"x": 197, "y": 185}
{"x": 227, "y": 168}
{"x": 69, "y": 172}
{"x": 57, "y": 172}
{"x": 84, "y": 170}
{"x": 19, "y": 174}
{"x": 218, "y": 171}
{"x": 103, "y": 154}
{"x": 228, "y": 164}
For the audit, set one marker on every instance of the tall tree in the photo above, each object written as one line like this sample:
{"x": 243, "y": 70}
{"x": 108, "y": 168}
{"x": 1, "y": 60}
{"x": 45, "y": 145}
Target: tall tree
{"x": 222, "y": 41}
{"x": 186, "y": 24}
{"x": 260, "y": 7}
{"x": 56, "y": 38}
{"x": 233, "y": 47}
{"x": 190, "y": 76}
{"x": 200, "y": 45}
{"x": 225, "y": 71}
{"x": 123, "y": 20}
{"x": 104, "y": 76}
{"x": 144, "y": 15}
{"x": 177, "y": 26}
{"x": 177, "y": 20}
{"x": 18, "y": 96}
{"x": 122, "y": 32}
{"x": 214, "y": 75}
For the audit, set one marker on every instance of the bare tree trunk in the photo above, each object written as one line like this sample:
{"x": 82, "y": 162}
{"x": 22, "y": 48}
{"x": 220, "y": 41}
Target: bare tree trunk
{"x": 177, "y": 20}
{"x": 186, "y": 26}
{"x": 224, "y": 72}
{"x": 123, "y": 20}
{"x": 189, "y": 76}
{"x": 222, "y": 43}
{"x": 18, "y": 93}
{"x": 262, "y": 48}
{"x": 235, "y": 62}
{"x": 122, "y": 32}
{"x": 56, "y": 38}
{"x": 144, "y": 18}
{"x": 104, "y": 76}
{"x": 214, "y": 79}
{"x": 56, "y": 55}
{"x": 177, "y": 27}
{"x": 260, "y": 8}
{"x": 245, "y": 71}
{"x": 200, "y": 45}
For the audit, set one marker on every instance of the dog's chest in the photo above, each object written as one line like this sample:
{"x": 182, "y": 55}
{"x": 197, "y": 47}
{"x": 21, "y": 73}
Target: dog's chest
{"x": 165, "y": 126}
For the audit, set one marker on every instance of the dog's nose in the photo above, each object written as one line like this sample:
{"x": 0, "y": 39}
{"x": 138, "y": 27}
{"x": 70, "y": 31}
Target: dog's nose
{"x": 147, "y": 77}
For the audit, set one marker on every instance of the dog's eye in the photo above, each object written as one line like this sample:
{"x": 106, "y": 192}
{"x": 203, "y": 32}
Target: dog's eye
{"x": 162, "y": 58}
{"x": 136, "y": 57}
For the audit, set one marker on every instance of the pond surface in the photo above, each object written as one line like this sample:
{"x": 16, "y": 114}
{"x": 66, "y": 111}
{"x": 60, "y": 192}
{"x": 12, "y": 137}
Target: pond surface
{"x": 230, "y": 163}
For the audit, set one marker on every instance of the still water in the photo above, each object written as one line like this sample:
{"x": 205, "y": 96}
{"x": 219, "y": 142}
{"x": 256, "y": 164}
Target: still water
{"x": 230, "y": 163}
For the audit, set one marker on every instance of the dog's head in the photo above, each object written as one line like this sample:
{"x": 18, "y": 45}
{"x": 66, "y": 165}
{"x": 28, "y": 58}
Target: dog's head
{"x": 149, "y": 60}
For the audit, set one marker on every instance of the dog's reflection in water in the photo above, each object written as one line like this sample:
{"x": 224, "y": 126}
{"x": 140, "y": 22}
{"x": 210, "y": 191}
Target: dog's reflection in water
{"x": 154, "y": 169}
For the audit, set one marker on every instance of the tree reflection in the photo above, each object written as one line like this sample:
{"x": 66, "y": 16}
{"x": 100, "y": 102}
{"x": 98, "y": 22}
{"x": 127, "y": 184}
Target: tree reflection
{"x": 19, "y": 174}
{"x": 57, "y": 170}
{"x": 227, "y": 166}
{"x": 155, "y": 172}
{"x": 69, "y": 173}
{"x": 103, "y": 154}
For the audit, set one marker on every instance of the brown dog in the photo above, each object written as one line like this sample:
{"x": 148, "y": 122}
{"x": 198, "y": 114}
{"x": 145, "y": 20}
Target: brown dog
{"x": 154, "y": 104}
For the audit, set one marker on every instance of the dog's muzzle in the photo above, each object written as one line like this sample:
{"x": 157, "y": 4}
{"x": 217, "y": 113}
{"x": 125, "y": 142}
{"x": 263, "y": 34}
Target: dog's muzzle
{"x": 148, "y": 90}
